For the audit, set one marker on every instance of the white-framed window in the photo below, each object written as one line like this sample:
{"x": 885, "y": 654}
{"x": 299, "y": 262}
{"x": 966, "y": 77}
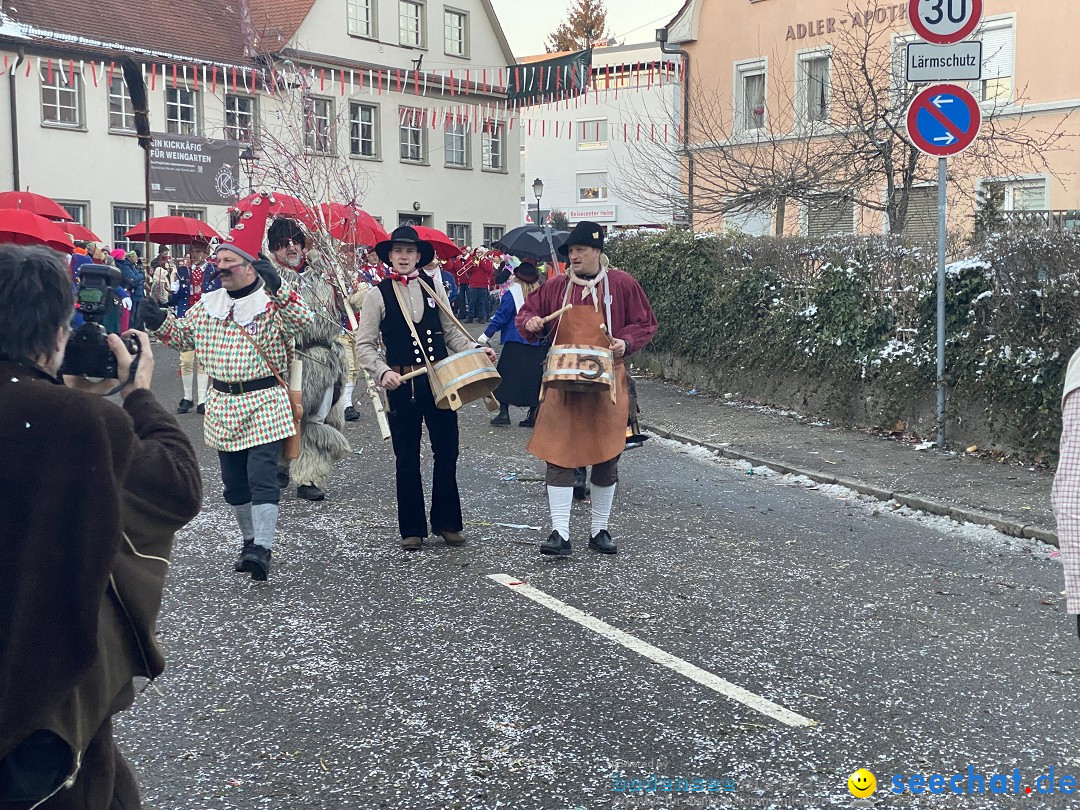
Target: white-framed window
{"x": 921, "y": 222}
{"x": 592, "y": 186}
{"x": 61, "y": 96}
{"x": 455, "y": 32}
{"x": 830, "y": 214}
{"x": 181, "y": 111}
{"x": 750, "y": 221}
{"x": 492, "y": 234}
{"x": 1026, "y": 194}
{"x": 460, "y": 233}
{"x": 319, "y": 125}
{"x": 241, "y": 113}
{"x": 999, "y": 56}
{"x": 412, "y": 135}
{"x": 121, "y": 113}
{"x": 78, "y": 211}
{"x": 456, "y": 144}
{"x": 750, "y": 86}
{"x": 592, "y": 133}
{"x": 815, "y": 86}
{"x": 125, "y": 217}
{"x": 190, "y": 213}
{"x": 363, "y": 130}
{"x": 411, "y": 23}
{"x": 493, "y": 145}
{"x": 361, "y": 17}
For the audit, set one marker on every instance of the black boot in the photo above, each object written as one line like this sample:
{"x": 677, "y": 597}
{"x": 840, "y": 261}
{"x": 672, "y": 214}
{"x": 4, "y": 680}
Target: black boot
{"x": 256, "y": 562}
{"x": 503, "y": 418}
{"x": 310, "y": 492}
{"x": 530, "y": 420}
{"x": 185, "y": 406}
{"x": 603, "y": 543}
{"x": 238, "y": 567}
{"x": 351, "y": 415}
{"x": 581, "y": 486}
{"x": 556, "y": 545}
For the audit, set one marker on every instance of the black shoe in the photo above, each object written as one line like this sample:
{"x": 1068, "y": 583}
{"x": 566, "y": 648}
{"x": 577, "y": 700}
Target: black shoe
{"x": 238, "y": 567}
{"x": 603, "y": 543}
{"x": 201, "y": 409}
{"x": 556, "y": 545}
{"x": 256, "y": 562}
{"x": 503, "y": 419}
{"x": 185, "y": 406}
{"x": 351, "y": 415}
{"x": 530, "y": 420}
{"x": 310, "y": 492}
{"x": 581, "y": 486}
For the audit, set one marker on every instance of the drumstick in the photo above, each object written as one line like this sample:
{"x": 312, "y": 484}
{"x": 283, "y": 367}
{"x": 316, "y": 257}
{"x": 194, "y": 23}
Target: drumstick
{"x": 420, "y": 372}
{"x": 557, "y": 313}
{"x": 603, "y": 328}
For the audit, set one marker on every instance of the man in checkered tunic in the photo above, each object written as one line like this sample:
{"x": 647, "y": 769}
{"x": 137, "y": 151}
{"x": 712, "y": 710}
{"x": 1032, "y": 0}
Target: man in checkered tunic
{"x": 240, "y": 334}
{"x": 1066, "y": 492}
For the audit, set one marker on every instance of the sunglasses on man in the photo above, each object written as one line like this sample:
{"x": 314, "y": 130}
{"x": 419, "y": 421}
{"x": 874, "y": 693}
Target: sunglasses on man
{"x": 284, "y": 243}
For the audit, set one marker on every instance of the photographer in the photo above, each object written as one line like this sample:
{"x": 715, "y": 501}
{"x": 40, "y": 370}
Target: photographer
{"x": 92, "y": 493}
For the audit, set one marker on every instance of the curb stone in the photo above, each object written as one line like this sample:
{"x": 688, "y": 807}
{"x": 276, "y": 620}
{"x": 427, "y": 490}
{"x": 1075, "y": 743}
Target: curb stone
{"x": 997, "y": 521}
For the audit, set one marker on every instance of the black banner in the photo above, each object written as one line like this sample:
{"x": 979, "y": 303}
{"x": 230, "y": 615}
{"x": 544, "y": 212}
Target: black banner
{"x": 556, "y": 78}
{"x": 185, "y": 169}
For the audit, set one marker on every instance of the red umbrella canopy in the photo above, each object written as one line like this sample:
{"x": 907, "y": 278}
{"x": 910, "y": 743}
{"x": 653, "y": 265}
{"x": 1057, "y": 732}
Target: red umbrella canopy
{"x": 281, "y": 205}
{"x": 173, "y": 231}
{"x": 77, "y": 231}
{"x": 25, "y": 228}
{"x": 445, "y": 247}
{"x": 352, "y": 224}
{"x": 34, "y": 203}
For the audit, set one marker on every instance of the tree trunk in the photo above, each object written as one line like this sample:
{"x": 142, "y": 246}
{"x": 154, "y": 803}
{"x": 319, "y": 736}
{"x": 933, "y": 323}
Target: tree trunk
{"x": 781, "y": 206}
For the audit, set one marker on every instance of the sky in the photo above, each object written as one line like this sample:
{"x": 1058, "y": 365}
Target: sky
{"x": 527, "y": 23}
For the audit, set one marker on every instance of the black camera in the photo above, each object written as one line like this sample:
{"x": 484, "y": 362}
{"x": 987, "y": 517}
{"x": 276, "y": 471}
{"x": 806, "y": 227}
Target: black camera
{"x": 88, "y": 353}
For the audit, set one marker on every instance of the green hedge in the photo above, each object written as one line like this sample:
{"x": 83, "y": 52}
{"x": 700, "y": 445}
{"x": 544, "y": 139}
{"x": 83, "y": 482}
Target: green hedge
{"x": 859, "y": 313}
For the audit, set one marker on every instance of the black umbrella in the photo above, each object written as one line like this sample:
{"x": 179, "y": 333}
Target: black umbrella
{"x": 531, "y": 242}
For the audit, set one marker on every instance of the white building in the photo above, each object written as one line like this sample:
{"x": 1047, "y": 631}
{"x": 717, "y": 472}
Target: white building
{"x": 338, "y": 75}
{"x": 579, "y": 149}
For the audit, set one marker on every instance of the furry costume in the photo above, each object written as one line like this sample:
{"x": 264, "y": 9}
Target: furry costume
{"x": 325, "y": 367}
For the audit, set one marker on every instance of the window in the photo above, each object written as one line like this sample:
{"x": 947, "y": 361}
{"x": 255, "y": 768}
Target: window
{"x": 814, "y": 93}
{"x": 592, "y": 134}
{"x": 493, "y": 145}
{"x": 750, "y": 221}
{"x": 492, "y": 234}
{"x": 524, "y": 188}
{"x": 412, "y": 135}
{"x": 318, "y": 125}
{"x": 456, "y": 144}
{"x": 181, "y": 111}
{"x": 61, "y": 97}
{"x": 77, "y": 211}
{"x": 999, "y": 43}
{"x": 240, "y": 118}
{"x": 411, "y": 23}
{"x": 362, "y": 130}
{"x": 125, "y": 217}
{"x": 830, "y": 214}
{"x": 592, "y": 186}
{"x": 921, "y": 223}
{"x": 459, "y": 233}
{"x": 121, "y": 113}
{"x": 456, "y": 32}
{"x": 360, "y": 18}
{"x": 750, "y": 95}
{"x": 1018, "y": 195}
{"x": 191, "y": 213}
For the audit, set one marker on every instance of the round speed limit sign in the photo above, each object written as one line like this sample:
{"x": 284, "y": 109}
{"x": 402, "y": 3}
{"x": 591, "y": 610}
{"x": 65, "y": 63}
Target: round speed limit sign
{"x": 944, "y": 22}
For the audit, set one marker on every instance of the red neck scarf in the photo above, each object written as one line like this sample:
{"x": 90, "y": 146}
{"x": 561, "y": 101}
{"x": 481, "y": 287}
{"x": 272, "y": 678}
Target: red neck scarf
{"x": 404, "y": 279}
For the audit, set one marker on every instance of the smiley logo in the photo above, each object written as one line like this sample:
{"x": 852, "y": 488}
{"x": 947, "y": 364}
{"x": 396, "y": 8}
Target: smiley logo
{"x": 861, "y": 783}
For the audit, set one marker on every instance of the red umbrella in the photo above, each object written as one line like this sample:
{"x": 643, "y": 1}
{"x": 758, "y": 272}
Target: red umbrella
{"x": 34, "y": 203}
{"x": 25, "y": 228}
{"x": 173, "y": 231}
{"x": 281, "y": 205}
{"x": 445, "y": 248}
{"x": 80, "y": 232}
{"x": 352, "y": 224}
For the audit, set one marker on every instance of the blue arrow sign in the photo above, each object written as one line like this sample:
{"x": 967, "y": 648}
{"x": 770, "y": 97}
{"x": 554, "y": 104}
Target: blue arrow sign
{"x": 944, "y": 120}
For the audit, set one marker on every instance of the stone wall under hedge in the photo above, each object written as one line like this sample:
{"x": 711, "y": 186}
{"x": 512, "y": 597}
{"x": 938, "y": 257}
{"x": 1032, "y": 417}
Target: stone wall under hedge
{"x": 844, "y": 328}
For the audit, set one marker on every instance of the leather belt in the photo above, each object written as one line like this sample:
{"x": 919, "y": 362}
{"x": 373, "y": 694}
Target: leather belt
{"x": 406, "y": 369}
{"x": 245, "y": 386}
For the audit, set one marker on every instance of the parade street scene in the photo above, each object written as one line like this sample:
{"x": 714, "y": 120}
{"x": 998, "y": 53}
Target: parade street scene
{"x": 588, "y": 405}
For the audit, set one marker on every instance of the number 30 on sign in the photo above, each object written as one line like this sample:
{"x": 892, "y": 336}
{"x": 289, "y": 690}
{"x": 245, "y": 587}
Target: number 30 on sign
{"x": 944, "y": 22}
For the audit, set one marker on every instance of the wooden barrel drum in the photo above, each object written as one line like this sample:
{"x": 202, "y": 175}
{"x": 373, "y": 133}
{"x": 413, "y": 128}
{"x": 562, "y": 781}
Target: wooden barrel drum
{"x": 463, "y": 378}
{"x": 580, "y": 368}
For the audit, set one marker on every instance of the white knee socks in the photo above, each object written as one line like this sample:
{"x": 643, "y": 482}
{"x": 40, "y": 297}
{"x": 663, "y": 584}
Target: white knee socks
{"x": 243, "y": 519}
{"x": 602, "y": 499}
{"x": 187, "y": 380}
{"x": 264, "y": 521}
{"x": 204, "y": 382}
{"x": 560, "y": 500}
{"x": 349, "y": 388}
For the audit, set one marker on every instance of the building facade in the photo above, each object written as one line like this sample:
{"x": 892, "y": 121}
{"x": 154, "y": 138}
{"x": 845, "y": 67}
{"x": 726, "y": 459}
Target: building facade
{"x": 583, "y": 169}
{"x": 777, "y": 72}
{"x": 396, "y": 105}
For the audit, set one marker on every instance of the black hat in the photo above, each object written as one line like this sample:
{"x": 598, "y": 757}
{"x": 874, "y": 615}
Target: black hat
{"x": 406, "y": 235}
{"x": 285, "y": 228}
{"x": 584, "y": 233}
{"x": 527, "y": 271}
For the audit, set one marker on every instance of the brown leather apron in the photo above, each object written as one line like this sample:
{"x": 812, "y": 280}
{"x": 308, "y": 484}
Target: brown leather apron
{"x": 574, "y": 428}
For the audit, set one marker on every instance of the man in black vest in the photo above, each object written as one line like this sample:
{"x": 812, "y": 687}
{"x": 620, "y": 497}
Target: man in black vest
{"x": 431, "y": 339}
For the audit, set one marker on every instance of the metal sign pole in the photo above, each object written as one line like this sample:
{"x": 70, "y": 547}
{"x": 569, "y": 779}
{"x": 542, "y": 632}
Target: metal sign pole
{"x": 942, "y": 198}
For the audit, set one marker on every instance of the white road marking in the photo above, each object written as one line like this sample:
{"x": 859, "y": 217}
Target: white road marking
{"x": 694, "y": 673}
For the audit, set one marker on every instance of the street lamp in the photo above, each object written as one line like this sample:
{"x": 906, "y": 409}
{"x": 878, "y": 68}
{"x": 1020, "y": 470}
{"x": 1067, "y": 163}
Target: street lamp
{"x": 250, "y": 161}
{"x": 538, "y": 190}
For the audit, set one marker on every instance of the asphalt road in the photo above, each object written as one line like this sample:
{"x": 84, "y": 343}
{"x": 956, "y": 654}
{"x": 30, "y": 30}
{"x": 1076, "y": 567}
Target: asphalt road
{"x": 362, "y": 676}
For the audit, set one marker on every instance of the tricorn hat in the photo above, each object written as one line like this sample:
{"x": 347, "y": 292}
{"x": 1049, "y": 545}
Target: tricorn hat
{"x": 589, "y": 234}
{"x": 246, "y": 238}
{"x": 527, "y": 272}
{"x": 406, "y": 235}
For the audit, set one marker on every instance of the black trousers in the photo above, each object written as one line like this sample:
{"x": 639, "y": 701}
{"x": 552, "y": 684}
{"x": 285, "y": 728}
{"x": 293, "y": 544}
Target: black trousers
{"x": 250, "y": 476}
{"x": 410, "y": 407}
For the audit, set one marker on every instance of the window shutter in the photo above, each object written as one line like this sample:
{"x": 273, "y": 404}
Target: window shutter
{"x": 998, "y": 48}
